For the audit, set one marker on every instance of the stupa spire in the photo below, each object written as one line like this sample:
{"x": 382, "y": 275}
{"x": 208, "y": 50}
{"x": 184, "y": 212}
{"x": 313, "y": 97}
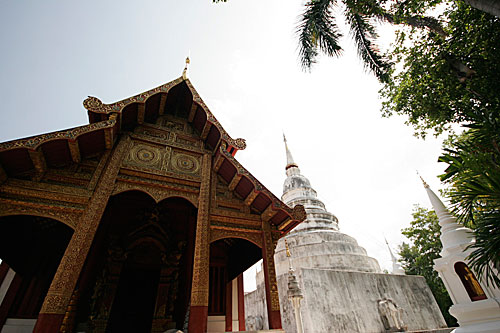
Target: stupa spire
{"x": 289, "y": 158}
{"x": 297, "y": 189}
{"x": 396, "y": 266}
{"x": 453, "y": 235}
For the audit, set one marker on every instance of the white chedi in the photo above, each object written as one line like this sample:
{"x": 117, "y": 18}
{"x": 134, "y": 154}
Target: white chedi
{"x": 475, "y": 304}
{"x": 317, "y": 241}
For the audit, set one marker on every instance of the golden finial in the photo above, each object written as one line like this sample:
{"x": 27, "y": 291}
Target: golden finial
{"x": 423, "y": 181}
{"x": 184, "y": 72}
{"x": 287, "y": 249}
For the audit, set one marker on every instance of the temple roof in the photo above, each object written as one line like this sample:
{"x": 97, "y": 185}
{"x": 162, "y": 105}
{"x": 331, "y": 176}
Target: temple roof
{"x": 22, "y": 157}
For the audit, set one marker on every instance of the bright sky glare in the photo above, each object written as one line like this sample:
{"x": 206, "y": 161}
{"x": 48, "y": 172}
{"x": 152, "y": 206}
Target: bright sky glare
{"x": 245, "y": 66}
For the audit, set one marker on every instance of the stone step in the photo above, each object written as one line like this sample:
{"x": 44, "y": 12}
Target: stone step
{"x": 261, "y": 331}
{"x": 437, "y": 330}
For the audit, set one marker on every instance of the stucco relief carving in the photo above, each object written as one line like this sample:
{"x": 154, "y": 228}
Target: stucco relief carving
{"x": 70, "y": 218}
{"x": 67, "y": 195}
{"x": 145, "y": 156}
{"x": 173, "y": 125}
{"x": 216, "y": 234}
{"x": 390, "y": 314}
{"x": 185, "y": 163}
{"x": 163, "y": 159}
{"x": 157, "y": 193}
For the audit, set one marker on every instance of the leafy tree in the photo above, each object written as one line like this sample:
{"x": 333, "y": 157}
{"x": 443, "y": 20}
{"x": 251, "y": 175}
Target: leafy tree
{"x": 433, "y": 94}
{"x": 417, "y": 258}
{"x": 448, "y": 80}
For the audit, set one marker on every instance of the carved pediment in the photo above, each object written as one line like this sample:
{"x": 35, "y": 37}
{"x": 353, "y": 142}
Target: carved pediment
{"x": 165, "y": 159}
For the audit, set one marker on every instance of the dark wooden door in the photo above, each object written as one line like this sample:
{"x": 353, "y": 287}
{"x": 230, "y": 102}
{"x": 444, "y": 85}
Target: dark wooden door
{"x": 134, "y": 303}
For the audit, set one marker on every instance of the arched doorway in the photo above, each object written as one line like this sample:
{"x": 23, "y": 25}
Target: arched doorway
{"x": 229, "y": 258}
{"x": 31, "y": 248}
{"x": 137, "y": 275}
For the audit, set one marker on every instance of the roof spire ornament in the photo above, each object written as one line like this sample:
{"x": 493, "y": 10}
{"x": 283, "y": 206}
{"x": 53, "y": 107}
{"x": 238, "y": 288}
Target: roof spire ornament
{"x": 184, "y": 72}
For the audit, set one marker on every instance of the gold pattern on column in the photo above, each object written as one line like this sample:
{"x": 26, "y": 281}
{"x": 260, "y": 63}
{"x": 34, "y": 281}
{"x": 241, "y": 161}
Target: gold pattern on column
{"x": 269, "y": 245}
{"x": 39, "y": 162}
{"x": 65, "y": 279}
{"x": 141, "y": 111}
{"x": 74, "y": 150}
{"x": 199, "y": 293}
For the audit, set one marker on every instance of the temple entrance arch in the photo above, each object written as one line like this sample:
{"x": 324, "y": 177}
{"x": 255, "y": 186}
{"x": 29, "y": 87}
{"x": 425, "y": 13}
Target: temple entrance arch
{"x": 138, "y": 272}
{"x": 229, "y": 258}
{"x": 31, "y": 248}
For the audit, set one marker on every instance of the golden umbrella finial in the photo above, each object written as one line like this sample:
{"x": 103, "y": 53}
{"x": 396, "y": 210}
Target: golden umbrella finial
{"x": 184, "y": 72}
{"x": 423, "y": 181}
{"x": 287, "y": 249}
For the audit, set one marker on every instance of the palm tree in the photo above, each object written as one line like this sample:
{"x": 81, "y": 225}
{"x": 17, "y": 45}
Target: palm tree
{"x": 318, "y": 31}
{"x": 473, "y": 174}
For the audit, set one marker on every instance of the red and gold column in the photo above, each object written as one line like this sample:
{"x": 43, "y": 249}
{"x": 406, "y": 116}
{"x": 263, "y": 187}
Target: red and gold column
{"x": 199, "y": 291}
{"x": 60, "y": 291}
{"x": 272, "y": 297}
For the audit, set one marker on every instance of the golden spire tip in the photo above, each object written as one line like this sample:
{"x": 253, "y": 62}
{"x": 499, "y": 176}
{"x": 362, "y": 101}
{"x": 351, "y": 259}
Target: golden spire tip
{"x": 423, "y": 181}
{"x": 184, "y": 72}
{"x": 287, "y": 249}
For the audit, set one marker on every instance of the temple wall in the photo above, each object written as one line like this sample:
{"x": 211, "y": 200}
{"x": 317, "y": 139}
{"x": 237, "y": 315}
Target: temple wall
{"x": 255, "y": 306}
{"x": 340, "y": 301}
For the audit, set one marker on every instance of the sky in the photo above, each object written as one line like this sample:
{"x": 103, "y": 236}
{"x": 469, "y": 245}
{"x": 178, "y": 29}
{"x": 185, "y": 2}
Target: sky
{"x": 245, "y": 66}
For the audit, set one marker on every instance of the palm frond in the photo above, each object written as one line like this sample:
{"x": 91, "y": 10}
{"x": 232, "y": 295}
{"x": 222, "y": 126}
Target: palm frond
{"x": 317, "y": 30}
{"x": 485, "y": 259}
{"x": 474, "y": 175}
{"x": 364, "y": 34}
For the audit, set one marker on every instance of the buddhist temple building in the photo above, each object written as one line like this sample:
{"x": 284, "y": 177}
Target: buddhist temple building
{"x": 140, "y": 221}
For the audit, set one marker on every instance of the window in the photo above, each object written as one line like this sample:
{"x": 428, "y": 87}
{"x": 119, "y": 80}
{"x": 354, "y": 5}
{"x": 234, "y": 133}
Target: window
{"x": 470, "y": 282}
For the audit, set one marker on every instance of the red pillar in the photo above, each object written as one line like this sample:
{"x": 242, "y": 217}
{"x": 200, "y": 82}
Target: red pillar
{"x": 241, "y": 304}
{"x": 198, "y": 319}
{"x": 48, "y": 323}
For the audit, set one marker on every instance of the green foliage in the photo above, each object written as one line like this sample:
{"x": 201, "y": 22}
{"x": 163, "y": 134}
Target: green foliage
{"x": 473, "y": 176}
{"x": 317, "y": 29}
{"x": 447, "y": 79}
{"x": 418, "y": 257}
{"x": 454, "y": 78}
